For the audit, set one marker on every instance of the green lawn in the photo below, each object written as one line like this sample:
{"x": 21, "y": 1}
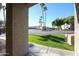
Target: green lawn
{"x": 55, "y": 40}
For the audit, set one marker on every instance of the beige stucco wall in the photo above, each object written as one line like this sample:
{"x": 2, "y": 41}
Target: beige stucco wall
{"x": 70, "y": 39}
{"x": 76, "y": 9}
{"x": 20, "y": 31}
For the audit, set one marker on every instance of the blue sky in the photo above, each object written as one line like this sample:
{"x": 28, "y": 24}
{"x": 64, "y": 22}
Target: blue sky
{"x": 55, "y": 10}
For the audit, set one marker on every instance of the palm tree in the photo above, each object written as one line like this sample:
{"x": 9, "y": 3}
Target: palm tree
{"x": 42, "y": 4}
{"x": 0, "y": 7}
{"x": 45, "y": 8}
{"x": 42, "y": 8}
{"x": 4, "y": 9}
{"x": 4, "y": 14}
{"x": 40, "y": 22}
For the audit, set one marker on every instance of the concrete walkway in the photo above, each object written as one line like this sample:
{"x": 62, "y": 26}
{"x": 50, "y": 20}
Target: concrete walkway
{"x": 39, "y": 50}
{"x": 2, "y": 44}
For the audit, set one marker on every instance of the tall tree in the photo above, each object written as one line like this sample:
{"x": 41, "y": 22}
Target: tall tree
{"x": 66, "y": 20}
{"x": 44, "y": 9}
{"x": 40, "y": 22}
{"x": 4, "y": 9}
{"x": 69, "y": 20}
{"x": 58, "y": 22}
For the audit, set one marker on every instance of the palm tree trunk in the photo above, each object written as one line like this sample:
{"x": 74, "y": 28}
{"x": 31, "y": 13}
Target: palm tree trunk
{"x": 4, "y": 15}
{"x": 4, "y": 19}
{"x": 45, "y": 18}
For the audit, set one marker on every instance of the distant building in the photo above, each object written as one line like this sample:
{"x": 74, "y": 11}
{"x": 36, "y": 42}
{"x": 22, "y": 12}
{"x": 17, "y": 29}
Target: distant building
{"x": 65, "y": 26}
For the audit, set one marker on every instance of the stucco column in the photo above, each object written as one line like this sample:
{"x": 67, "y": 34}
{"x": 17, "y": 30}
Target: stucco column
{"x": 17, "y": 29}
{"x": 76, "y": 9}
{"x": 9, "y": 48}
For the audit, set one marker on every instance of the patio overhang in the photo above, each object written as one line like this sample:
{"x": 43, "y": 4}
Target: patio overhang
{"x": 30, "y": 4}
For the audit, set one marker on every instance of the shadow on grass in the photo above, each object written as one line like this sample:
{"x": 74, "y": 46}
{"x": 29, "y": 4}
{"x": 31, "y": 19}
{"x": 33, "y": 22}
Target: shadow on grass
{"x": 52, "y": 38}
